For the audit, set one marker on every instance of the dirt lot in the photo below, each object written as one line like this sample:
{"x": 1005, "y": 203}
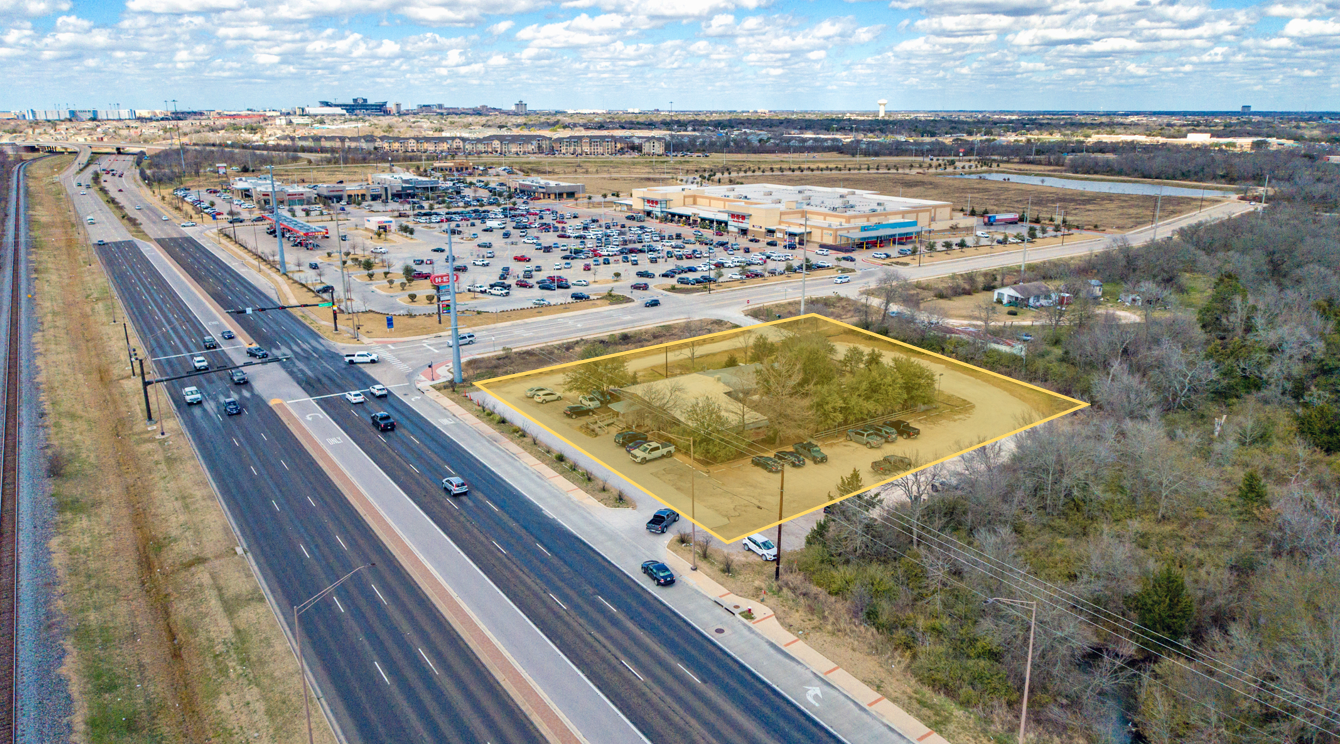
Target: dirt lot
{"x": 170, "y": 638}
{"x": 735, "y": 498}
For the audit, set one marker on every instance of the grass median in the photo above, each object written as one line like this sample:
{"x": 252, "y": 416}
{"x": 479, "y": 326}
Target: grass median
{"x": 170, "y": 638}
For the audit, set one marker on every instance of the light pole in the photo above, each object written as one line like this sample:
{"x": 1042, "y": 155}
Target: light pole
{"x": 452, "y": 305}
{"x": 275, "y": 210}
{"x": 298, "y": 641}
{"x": 1030, "y": 650}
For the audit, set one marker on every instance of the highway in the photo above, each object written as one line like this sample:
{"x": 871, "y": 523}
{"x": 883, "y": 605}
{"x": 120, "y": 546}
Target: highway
{"x": 390, "y": 666}
{"x": 670, "y": 680}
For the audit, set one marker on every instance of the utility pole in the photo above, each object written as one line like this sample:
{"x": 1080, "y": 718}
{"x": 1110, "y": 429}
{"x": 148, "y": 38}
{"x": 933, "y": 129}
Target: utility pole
{"x": 1030, "y": 651}
{"x": 694, "y": 561}
{"x": 802, "y": 310}
{"x": 180, "y": 152}
{"x": 778, "y": 539}
{"x": 452, "y": 305}
{"x": 298, "y": 641}
{"x": 275, "y": 211}
{"x": 1158, "y": 213}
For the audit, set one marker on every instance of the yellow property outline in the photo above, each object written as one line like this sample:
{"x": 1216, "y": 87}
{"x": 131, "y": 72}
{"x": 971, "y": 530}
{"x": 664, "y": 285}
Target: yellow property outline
{"x": 483, "y": 385}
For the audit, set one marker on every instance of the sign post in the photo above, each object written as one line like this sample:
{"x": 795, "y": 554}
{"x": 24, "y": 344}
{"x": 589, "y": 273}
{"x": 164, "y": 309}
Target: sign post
{"x": 438, "y": 281}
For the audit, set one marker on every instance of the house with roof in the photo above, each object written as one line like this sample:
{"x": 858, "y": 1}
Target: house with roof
{"x": 671, "y": 397}
{"x": 1030, "y": 294}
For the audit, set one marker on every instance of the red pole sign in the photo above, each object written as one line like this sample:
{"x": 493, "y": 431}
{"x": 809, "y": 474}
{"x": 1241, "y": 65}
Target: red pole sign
{"x": 440, "y": 279}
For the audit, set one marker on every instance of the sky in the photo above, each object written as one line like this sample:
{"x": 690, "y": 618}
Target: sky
{"x": 1279, "y": 55}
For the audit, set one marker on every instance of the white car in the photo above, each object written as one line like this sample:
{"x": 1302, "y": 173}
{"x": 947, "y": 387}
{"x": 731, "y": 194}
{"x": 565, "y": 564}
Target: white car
{"x": 841, "y": 280}
{"x": 199, "y": 363}
{"x": 822, "y": 251}
{"x": 188, "y": 224}
{"x": 735, "y": 276}
{"x": 480, "y": 262}
{"x": 982, "y": 234}
{"x": 164, "y": 218}
{"x": 881, "y": 255}
{"x": 454, "y": 485}
{"x": 192, "y": 395}
{"x": 354, "y": 396}
{"x": 540, "y": 301}
{"x": 761, "y": 546}
{"x": 137, "y": 206}
{"x": 580, "y": 282}
{"x": 377, "y": 391}
{"x": 377, "y": 249}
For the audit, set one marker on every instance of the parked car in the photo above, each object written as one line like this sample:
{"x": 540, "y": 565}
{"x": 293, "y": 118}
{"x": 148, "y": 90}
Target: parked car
{"x": 811, "y": 451}
{"x": 662, "y": 519}
{"x": 658, "y": 572}
{"x": 383, "y": 421}
{"x": 907, "y": 431}
{"x": 626, "y": 437}
{"x": 866, "y": 437}
{"x": 887, "y": 433}
{"x": 790, "y": 457}
{"x": 454, "y": 485}
{"x": 768, "y": 464}
{"x": 761, "y": 546}
{"x": 547, "y": 397}
{"x": 891, "y": 464}
{"x": 578, "y": 411}
{"x": 231, "y": 407}
{"x": 534, "y": 391}
{"x": 238, "y": 376}
{"x": 652, "y": 451}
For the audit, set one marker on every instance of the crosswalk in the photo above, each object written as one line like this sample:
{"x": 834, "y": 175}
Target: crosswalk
{"x": 389, "y": 356}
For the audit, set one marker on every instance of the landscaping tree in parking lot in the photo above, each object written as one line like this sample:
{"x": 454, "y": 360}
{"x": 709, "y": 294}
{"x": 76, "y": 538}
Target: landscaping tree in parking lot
{"x": 408, "y": 272}
{"x": 600, "y": 374}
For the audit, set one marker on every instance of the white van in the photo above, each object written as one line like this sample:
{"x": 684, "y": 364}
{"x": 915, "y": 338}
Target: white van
{"x": 498, "y": 224}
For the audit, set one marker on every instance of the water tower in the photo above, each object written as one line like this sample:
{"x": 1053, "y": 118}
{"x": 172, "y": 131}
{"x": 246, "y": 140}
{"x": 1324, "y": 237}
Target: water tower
{"x": 881, "y": 109}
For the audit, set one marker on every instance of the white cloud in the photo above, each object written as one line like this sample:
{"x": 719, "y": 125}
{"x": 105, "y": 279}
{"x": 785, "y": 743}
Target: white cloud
{"x": 1302, "y": 28}
{"x": 500, "y": 27}
{"x": 172, "y": 7}
{"x": 32, "y": 8}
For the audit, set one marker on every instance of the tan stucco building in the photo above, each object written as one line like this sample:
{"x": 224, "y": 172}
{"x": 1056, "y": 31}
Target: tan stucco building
{"x": 832, "y": 216}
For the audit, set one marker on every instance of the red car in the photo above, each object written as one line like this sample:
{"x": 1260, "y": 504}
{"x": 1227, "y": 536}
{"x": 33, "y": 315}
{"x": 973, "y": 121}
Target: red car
{"x": 639, "y": 285}
{"x": 523, "y": 283}
{"x": 523, "y": 259}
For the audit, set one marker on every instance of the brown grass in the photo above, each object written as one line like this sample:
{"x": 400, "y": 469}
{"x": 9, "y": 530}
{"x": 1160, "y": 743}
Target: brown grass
{"x": 170, "y": 637}
{"x": 825, "y": 623}
{"x": 843, "y": 309}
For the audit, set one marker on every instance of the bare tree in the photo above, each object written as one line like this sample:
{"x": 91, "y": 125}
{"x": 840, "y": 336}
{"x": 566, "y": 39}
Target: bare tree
{"x": 913, "y": 491}
{"x": 1180, "y": 376}
{"x": 1122, "y": 393}
{"x": 985, "y": 312}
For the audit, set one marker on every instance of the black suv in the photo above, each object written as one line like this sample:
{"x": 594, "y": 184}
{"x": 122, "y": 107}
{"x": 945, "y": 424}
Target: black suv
{"x": 258, "y": 352}
{"x": 210, "y": 343}
{"x": 231, "y": 406}
{"x": 238, "y": 376}
{"x": 383, "y": 421}
{"x": 662, "y": 519}
{"x": 626, "y": 437}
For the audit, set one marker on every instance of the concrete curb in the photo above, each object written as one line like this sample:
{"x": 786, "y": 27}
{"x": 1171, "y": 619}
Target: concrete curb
{"x": 765, "y": 622}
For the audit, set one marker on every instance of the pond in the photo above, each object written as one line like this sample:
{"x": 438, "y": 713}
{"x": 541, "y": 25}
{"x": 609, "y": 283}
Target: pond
{"x": 1106, "y": 187}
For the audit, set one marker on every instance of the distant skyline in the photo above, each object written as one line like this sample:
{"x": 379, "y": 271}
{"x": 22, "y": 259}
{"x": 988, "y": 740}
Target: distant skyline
{"x": 1026, "y": 55}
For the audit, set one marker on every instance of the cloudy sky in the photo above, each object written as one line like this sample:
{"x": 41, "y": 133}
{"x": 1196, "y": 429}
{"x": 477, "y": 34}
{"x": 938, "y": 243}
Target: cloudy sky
{"x": 688, "y": 54}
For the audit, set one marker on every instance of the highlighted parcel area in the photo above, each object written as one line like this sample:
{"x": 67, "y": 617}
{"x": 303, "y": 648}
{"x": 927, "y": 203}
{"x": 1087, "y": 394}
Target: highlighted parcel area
{"x": 741, "y": 430}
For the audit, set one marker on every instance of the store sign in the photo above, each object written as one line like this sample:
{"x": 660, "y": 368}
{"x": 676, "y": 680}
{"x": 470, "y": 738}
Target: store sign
{"x": 739, "y": 219}
{"x": 888, "y": 225}
{"x": 440, "y": 279}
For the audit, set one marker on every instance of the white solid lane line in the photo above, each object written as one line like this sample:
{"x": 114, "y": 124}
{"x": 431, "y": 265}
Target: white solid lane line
{"x": 342, "y": 542}
{"x": 627, "y": 666}
{"x": 375, "y": 591}
{"x": 427, "y": 661}
{"x": 305, "y": 550}
{"x": 557, "y": 601}
{"x": 608, "y": 604}
{"x": 500, "y": 547}
{"x": 687, "y": 671}
{"x": 492, "y": 506}
{"x": 384, "y": 675}
{"x": 272, "y": 503}
{"x": 543, "y": 550}
{"x": 338, "y": 604}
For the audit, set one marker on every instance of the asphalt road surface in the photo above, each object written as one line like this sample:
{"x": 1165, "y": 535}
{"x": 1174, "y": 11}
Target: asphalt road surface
{"x": 390, "y": 666}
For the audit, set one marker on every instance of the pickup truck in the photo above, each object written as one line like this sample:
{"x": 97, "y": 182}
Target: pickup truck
{"x": 662, "y": 519}
{"x": 891, "y": 464}
{"x": 192, "y": 395}
{"x": 361, "y": 357}
{"x": 906, "y": 430}
{"x": 652, "y": 451}
{"x": 869, "y": 437}
{"x": 810, "y": 451}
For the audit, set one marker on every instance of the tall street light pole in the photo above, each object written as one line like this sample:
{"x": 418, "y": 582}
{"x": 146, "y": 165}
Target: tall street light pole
{"x": 778, "y": 538}
{"x": 1030, "y": 651}
{"x": 298, "y": 641}
{"x": 275, "y": 212}
{"x": 452, "y": 306}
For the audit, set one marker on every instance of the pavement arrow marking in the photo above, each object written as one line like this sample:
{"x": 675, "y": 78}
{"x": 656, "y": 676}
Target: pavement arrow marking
{"x": 813, "y": 691}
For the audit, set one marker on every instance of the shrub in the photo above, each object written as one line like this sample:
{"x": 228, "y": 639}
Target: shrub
{"x": 1011, "y": 312}
{"x": 729, "y": 563}
{"x": 412, "y": 296}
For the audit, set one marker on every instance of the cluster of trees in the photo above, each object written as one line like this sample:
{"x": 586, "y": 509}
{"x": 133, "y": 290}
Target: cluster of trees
{"x": 165, "y": 167}
{"x": 1181, "y": 536}
{"x": 1294, "y": 175}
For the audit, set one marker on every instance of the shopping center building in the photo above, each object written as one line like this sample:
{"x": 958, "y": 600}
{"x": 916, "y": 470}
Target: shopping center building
{"x": 837, "y": 217}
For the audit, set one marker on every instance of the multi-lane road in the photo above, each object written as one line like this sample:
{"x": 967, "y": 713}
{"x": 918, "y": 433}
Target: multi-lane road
{"x": 666, "y": 677}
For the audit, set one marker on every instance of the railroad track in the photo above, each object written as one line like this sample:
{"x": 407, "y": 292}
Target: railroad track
{"x": 9, "y": 486}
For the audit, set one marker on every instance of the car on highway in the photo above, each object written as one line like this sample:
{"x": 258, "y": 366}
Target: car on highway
{"x": 354, "y": 396}
{"x": 164, "y": 218}
{"x": 454, "y": 485}
{"x": 811, "y": 451}
{"x": 257, "y": 352}
{"x": 547, "y": 397}
{"x": 238, "y": 377}
{"x": 761, "y": 546}
{"x": 768, "y": 464}
{"x": 661, "y": 520}
{"x": 841, "y": 280}
{"x": 209, "y": 342}
{"x": 226, "y": 333}
{"x": 188, "y": 224}
{"x": 654, "y": 302}
{"x": 192, "y": 395}
{"x": 232, "y": 407}
{"x": 199, "y": 363}
{"x": 383, "y": 421}
{"x": 658, "y": 572}
{"x": 359, "y": 357}
{"x": 377, "y": 391}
